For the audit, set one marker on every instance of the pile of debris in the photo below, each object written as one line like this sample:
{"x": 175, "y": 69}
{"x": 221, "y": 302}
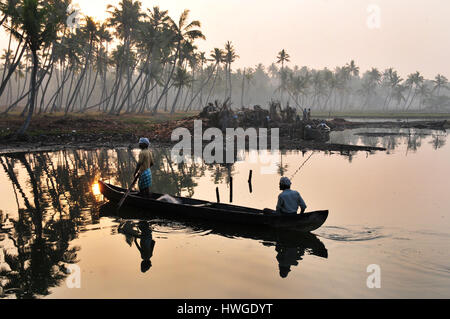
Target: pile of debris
{"x": 223, "y": 116}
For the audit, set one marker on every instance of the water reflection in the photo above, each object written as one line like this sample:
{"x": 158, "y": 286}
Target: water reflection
{"x": 391, "y": 139}
{"x": 290, "y": 246}
{"x": 54, "y": 199}
{"x": 142, "y": 231}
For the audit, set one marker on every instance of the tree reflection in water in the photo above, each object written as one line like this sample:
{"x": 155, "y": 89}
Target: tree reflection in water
{"x": 391, "y": 139}
{"x": 52, "y": 192}
{"x": 290, "y": 246}
{"x": 55, "y": 202}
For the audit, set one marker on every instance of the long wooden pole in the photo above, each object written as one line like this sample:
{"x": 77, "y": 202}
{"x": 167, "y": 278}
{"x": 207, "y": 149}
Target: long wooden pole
{"x": 127, "y": 193}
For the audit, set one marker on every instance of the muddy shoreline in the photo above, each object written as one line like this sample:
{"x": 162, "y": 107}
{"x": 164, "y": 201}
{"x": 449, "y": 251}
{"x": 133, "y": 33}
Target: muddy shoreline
{"x": 84, "y": 135}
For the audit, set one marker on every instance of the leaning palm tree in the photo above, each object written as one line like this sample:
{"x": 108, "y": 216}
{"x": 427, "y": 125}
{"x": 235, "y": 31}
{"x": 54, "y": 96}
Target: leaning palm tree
{"x": 247, "y": 77}
{"x": 390, "y": 80}
{"x": 12, "y": 60}
{"x": 180, "y": 80}
{"x": 398, "y": 93}
{"x": 423, "y": 92}
{"x": 125, "y": 20}
{"x": 440, "y": 82}
{"x": 37, "y": 23}
{"x": 184, "y": 35}
{"x": 414, "y": 81}
{"x": 371, "y": 80}
{"x": 217, "y": 56}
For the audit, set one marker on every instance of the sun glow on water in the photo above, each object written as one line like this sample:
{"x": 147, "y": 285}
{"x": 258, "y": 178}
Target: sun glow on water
{"x": 96, "y": 189}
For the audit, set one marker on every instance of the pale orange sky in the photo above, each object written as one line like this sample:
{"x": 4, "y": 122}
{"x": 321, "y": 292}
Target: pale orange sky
{"x": 413, "y": 34}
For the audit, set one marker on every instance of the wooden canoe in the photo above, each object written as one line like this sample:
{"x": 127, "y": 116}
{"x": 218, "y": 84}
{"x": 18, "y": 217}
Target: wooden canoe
{"x": 193, "y": 209}
{"x": 304, "y": 242}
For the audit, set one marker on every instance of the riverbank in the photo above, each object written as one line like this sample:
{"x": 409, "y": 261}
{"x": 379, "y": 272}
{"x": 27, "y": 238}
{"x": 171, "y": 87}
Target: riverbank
{"x": 57, "y": 132}
{"x": 383, "y": 115}
{"x": 89, "y": 131}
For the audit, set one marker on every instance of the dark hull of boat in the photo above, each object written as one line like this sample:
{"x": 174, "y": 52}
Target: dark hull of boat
{"x": 302, "y": 241}
{"x": 192, "y": 209}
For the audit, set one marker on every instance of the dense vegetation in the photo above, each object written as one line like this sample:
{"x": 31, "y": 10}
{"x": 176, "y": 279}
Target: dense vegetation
{"x": 141, "y": 61}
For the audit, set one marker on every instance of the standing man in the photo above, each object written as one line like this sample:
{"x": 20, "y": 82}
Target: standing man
{"x": 289, "y": 200}
{"x": 309, "y": 115}
{"x": 143, "y": 169}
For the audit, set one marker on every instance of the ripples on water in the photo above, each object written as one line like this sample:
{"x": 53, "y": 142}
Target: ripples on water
{"x": 350, "y": 233}
{"x": 50, "y": 218}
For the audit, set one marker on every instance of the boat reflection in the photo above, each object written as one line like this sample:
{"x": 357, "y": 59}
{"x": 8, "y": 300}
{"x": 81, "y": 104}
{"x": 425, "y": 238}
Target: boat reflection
{"x": 290, "y": 246}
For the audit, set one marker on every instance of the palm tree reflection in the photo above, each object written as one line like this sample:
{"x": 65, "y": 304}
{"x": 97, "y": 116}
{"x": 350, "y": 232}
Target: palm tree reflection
{"x": 54, "y": 199}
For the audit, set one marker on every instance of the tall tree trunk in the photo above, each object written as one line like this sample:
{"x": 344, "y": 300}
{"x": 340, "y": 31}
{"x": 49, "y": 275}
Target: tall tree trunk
{"x": 243, "y": 88}
{"x": 32, "y": 102}
{"x": 175, "y": 101}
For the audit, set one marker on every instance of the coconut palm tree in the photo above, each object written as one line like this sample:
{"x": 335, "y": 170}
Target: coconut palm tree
{"x": 333, "y": 82}
{"x": 230, "y": 56}
{"x": 413, "y": 81}
{"x": 180, "y": 80}
{"x": 37, "y": 23}
{"x": 371, "y": 80}
{"x": 7, "y": 9}
{"x": 125, "y": 19}
{"x": 423, "y": 91}
{"x": 390, "y": 80}
{"x": 217, "y": 56}
{"x": 247, "y": 77}
{"x": 11, "y": 58}
{"x": 352, "y": 68}
{"x": 440, "y": 82}
{"x": 283, "y": 57}
{"x": 398, "y": 93}
{"x": 184, "y": 35}
{"x": 88, "y": 33}
{"x": 343, "y": 75}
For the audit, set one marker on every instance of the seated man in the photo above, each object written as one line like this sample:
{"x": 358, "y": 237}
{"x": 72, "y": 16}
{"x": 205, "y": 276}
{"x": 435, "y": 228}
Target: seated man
{"x": 289, "y": 200}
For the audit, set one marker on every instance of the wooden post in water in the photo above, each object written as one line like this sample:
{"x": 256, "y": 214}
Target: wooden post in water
{"x": 231, "y": 189}
{"x": 217, "y": 194}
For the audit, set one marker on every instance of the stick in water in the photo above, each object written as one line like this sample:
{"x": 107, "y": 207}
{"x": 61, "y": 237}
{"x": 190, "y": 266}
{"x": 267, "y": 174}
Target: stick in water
{"x": 217, "y": 194}
{"x": 231, "y": 189}
{"x": 250, "y": 181}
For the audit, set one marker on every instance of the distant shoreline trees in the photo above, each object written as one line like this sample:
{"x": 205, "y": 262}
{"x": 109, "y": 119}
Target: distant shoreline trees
{"x": 141, "y": 61}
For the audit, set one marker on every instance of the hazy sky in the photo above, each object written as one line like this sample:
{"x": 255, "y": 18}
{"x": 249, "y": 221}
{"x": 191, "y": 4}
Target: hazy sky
{"x": 412, "y": 34}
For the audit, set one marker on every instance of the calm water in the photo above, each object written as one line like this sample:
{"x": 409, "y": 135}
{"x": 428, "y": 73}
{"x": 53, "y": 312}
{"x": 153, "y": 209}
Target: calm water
{"x": 389, "y": 208}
